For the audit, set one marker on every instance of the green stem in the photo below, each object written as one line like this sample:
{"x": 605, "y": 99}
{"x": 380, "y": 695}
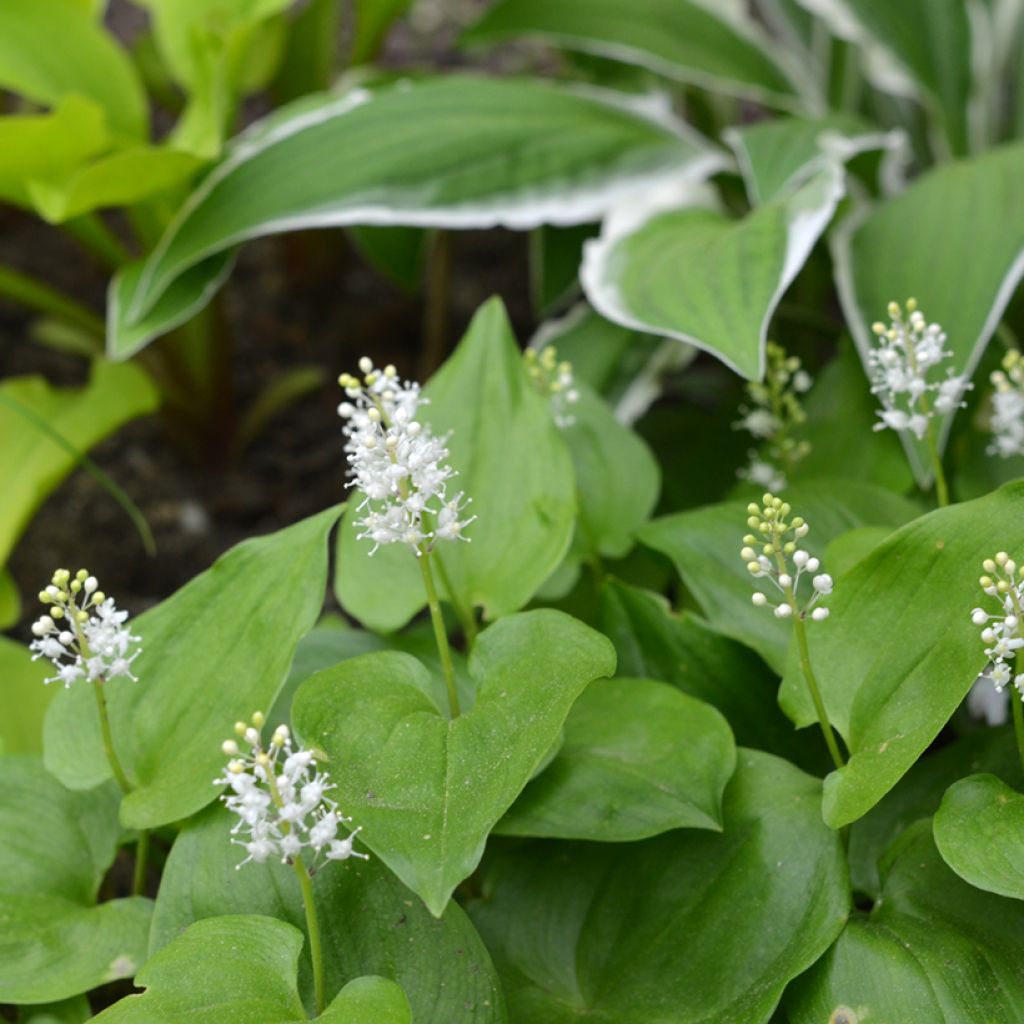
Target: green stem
{"x": 313, "y": 928}
{"x": 812, "y": 685}
{"x": 1018, "y": 722}
{"x": 108, "y": 739}
{"x": 941, "y": 487}
{"x": 95, "y": 236}
{"x": 465, "y": 615}
{"x": 440, "y": 634}
{"x": 36, "y": 295}
{"x": 141, "y": 851}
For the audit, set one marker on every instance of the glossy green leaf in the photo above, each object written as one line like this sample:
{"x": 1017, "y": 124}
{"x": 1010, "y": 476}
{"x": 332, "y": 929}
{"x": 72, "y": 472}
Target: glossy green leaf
{"x": 918, "y": 795}
{"x": 691, "y": 926}
{"x": 10, "y": 600}
{"x": 736, "y": 270}
{"x": 932, "y": 949}
{"x": 979, "y": 830}
{"x": 511, "y": 460}
{"x": 55, "y": 847}
{"x": 704, "y": 544}
{"x": 776, "y": 156}
{"x": 212, "y": 653}
{"x": 914, "y": 245}
{"x": 889, "y": 698}
{"x": 639, "y": 758}
{"x": 68, "y": 1011}
{"x": 428, "y": 789}
{"x": 370, "y": 923}
{"x": 32, "y": 468}
{"x": 50, "y": 49}
{"x": 241, "y": 969}
{"x": 617, "y": 477}
{"x": 716, "y": 47}
{"x": 456, "y": 152}
{"x": 24, "y": 698}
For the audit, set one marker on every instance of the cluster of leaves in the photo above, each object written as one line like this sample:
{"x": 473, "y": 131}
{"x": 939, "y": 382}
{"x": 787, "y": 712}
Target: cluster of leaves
{"x": 624, "y": 824}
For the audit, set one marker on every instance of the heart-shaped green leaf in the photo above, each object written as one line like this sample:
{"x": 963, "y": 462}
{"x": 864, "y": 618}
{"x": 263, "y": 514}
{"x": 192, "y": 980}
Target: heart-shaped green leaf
{"x": 932, "y": 949}
{"x": 369, "y": 923}
{"x": 639, "y": 758}
{"x": 912, "y": 595}
{"x": 241, "y": 969}
{"x": 979, "y": 830}
{"x": 55, "y": 848}
{"x": 704, "y": 544}
{"x": 24, "y": 697}
{"x": 736, "y": 270}
{"x": 511, "y": 460}
{"x": 689, "y": 927}
{"x": 427, "y": 789}
{"x": 10, "y": 600}
{"x": 212, "y": 653}
{"x": 914, "y": 245}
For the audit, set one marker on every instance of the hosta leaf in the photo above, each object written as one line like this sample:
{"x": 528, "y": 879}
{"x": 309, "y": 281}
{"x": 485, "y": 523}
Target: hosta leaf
{"x": 428, "y": 789}
{"x": 511, "y": 460}
{"x": 715, "y": 46}
{"x": 704, "y": 544}
{"x": 369, "y": 922}
{"x": 453, "y": 152}
{"x": 212, "y": 653}
{"x": 55, "y": 847}
{"x": 913, "y": 596}
{"x": 34, "y": 466}
{"x": 24, "y": 698}
{"x": 240, "y": 969}
{"x": 979, "y": 830}
{"x": 933, "y": 949}
{"x": 639, "y": 758}
{"x": 914, "y": 245}
{"x": 691, "y": 926}
{"x": 50, "y": 49}
{"x": 703, "y": 277}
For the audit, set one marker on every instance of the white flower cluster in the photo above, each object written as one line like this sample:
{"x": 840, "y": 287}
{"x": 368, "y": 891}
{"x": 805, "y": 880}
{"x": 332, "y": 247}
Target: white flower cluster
{"x": 281, "y": 799}
{"x": 1002, "y": 631}
{"x": 83, "y": 633}
{"x": 397, "y": 462}
{"x": 907, "y": 350}
{"x": 1007, "y": 420}
{"x": 772, "y": 415}
{"x": 554, "y": 380}
{"x": 781, "y": 562}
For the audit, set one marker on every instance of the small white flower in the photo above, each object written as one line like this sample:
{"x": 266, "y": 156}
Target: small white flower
{"x": 83, "y": 635}
{"x": 554, "y": 380}
{"x": 1001, "y": 633}
{"x": 1007, "y": 419}
{"x": 280, "y": 798}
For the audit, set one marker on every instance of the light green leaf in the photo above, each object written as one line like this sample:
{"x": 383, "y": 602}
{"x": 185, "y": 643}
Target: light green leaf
{"x": 55, "y": 848}
{"x": 50, "y": 49}
{"x": 979, "y": 830}
{"x": 241, "y": 969}
{"x": 454, "y": 152}
{"x": 890, "y": 698}
{"x": 370, "y": 923}
{"x": 777, "y": 156}
{"x": 512, "y": 462}
{"x": 932, "y": 949}
{"x": 689, "y": 927}
{"x": 617, "y": 477}
{"x": 10, "y": 600}
{"x": 715, "y": 46}
{"x": 24, "y": 698}
{"x": 639, "y": 758}
{"x": 427, "y": 789}
{"x": 32, "y": 468}
{"x": 915, "y": 246}
{"x": 212, "y": 653}
{"x": 736, "y": 270}
{"x": 68, "y": 1011}
{"x": 704, "y": 544}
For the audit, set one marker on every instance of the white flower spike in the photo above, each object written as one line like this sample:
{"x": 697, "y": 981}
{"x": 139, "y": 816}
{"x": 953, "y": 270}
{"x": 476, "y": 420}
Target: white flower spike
{"x": 83, "y": 634}
{"x": 906, "y": 353}
{"x": 1001, "y": 631}
{"x": 281, "y": 799}
{"x": 554, "y": 380}
{"x": 1007, "y": 419}
{"x": 771, "y": 553}
{"x": 397, "y": 463}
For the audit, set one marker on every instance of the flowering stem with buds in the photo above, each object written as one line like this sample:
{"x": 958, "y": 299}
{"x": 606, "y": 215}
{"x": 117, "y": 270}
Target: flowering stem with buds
{"x": 440, "y": 633}
{"x": 800, "y": 628}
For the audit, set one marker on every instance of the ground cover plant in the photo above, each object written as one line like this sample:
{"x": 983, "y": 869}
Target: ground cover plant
{"x": 553, "y": 542}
